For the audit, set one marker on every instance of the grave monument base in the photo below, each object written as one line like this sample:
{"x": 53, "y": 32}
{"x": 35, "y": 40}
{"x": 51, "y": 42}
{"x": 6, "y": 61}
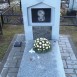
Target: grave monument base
{"x": 41, "y": 65}
{"x": 41, "y": 13}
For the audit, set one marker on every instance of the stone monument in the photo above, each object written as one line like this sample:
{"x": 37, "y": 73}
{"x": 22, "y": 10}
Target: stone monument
{"x": 41, "y": 13}
{"x": 72, "y": 5}
{"x": 30, "y": 16}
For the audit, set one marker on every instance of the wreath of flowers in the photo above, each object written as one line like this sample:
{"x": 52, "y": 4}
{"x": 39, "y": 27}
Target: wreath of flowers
{"x": 41, "y": 45}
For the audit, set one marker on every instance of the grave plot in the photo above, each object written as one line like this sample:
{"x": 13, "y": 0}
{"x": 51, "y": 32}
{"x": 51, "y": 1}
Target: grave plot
{"x": 13, "y": 61}
{"x": 36, "y": 25}
{"x": 37, "y": 15}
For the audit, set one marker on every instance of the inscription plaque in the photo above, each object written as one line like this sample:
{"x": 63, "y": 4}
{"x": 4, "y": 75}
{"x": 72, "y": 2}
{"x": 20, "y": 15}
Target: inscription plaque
{"x": 40, "y": 15}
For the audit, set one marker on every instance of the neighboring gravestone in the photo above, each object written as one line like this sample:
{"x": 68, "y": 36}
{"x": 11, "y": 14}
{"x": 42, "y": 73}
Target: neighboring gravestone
{"x": 72, "y": 5}
{"x": 41, "y": 16}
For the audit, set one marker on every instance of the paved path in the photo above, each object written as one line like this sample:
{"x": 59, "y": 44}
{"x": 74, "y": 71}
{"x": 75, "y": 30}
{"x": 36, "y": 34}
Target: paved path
{"x": 68, "y": 57}
{"x": 13, "y": 62}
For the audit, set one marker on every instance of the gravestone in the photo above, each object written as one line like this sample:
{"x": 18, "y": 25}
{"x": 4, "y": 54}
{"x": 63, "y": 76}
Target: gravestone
{"x": 51, "y": 16}
{"x": 39, "y": 16}
{"x": 72, "y": 5}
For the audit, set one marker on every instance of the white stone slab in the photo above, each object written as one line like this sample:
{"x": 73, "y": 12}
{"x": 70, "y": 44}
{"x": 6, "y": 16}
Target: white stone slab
{"x": 0, "y": 75}
{"x": 41, "y": 65}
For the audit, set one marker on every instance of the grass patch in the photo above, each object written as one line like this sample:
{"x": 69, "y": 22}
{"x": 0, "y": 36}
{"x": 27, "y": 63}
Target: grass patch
{"x": 8, "y": 33}
{"x": 70, "y": 30}
{"x": 10, "y": 30}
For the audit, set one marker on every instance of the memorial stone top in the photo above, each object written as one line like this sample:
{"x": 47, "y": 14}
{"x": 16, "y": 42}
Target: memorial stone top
{"x": 41, "y": 13}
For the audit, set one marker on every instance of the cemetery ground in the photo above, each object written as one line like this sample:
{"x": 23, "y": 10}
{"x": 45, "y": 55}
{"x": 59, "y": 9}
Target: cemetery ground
{"x": 8, "y": 33}
{"x": 70, "y": 30}
{"x": 10, "y": 30}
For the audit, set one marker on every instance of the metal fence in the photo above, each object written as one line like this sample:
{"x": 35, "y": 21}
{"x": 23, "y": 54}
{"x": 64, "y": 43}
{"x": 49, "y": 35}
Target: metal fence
{"x": 12, "y": 15}
{"x": 12, "y": 19}
{"x": 68, "y": 21}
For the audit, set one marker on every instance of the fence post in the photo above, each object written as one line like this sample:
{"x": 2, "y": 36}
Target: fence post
{"x": 9, "y": 2}
{"x": 20, "y": 5}
{"x": 2, "y": 22}
{"x": 76, "y": 18}
{"x": 1, "y": 32}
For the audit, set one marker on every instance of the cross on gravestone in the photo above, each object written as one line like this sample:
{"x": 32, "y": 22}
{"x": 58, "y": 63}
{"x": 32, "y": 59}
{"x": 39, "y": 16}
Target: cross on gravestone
{"x": 37, "y": 13}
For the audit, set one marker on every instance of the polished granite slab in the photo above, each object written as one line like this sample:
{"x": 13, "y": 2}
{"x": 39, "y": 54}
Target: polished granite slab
{"x": 41, "y": 65}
